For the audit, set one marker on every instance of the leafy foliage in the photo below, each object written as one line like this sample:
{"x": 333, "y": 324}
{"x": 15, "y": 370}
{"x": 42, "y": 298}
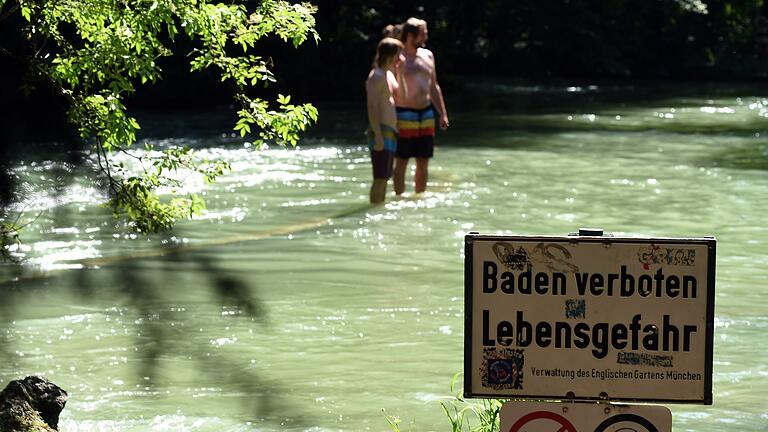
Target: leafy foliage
{"x": 462, "y": 413}
{"x": 97, "y": 52}
{"x": 9, "y": 236}
{"x": 277, "y": 126}
{"x": 394, "y": 421}
{"x": 485, "y": 411}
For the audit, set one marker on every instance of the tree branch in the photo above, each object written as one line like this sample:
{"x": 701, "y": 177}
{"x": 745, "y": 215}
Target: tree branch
{"x": 9, "y": 12}
{"x": 107, "y": 171}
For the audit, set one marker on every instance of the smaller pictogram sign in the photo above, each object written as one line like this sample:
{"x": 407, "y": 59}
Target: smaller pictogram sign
{"x": 554, "y": 421}
{"x": 584, "y": 417}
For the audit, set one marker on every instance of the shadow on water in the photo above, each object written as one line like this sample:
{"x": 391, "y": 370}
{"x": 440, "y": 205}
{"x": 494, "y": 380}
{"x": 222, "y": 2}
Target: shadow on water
{"x": 745, "y": 157}
{"x": 161, "y": 333}
{"x": 162, "y": 296}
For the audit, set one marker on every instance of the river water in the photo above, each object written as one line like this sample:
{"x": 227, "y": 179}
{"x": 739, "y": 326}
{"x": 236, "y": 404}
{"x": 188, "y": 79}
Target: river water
{"x": 291, "y": 305}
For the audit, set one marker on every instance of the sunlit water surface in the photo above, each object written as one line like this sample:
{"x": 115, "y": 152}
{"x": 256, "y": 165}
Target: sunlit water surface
{"x": 291, "y": 305}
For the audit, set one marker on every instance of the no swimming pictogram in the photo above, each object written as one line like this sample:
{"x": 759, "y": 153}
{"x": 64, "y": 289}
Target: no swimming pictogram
{"x": 518, "y": 416}
{"x": 536, "y": 416}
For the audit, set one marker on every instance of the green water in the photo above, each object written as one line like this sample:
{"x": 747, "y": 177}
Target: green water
{"x": 290, "y": 305}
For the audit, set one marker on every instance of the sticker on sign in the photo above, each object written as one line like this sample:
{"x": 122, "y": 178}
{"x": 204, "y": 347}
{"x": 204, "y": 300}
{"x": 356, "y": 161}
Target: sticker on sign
{"x": 589, "y": 318}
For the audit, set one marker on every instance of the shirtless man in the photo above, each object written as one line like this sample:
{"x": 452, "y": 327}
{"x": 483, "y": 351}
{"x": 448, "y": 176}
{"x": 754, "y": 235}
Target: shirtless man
{"x": 416, "y": 107}
{"x": 380, "y": 88}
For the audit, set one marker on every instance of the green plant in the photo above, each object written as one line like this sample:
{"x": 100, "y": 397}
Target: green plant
{"x": 9, "y": 236}
{"x": 485, "y": 412}
{"x": 394, "y": 421}
{"x": 97, "y": 53}
{"x": 461, "y": 412}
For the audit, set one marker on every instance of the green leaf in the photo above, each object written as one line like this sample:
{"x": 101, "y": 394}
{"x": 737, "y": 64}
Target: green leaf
{"x": 26, "y": 12}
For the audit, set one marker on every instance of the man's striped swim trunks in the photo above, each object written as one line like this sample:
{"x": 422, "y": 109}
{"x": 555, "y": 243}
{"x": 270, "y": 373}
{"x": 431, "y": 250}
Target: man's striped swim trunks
{"x": 416, "y": 128}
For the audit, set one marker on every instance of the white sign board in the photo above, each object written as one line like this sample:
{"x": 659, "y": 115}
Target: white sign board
{"x": 589, "y": 318}
{"x": 584, "y": 417}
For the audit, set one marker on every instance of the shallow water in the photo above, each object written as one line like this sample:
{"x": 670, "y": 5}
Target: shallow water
{"x": 291, "y": 305}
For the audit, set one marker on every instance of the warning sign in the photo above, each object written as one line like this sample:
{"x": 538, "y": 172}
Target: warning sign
{"x": 581, "y": 417}
{"x": 589, "y": 318}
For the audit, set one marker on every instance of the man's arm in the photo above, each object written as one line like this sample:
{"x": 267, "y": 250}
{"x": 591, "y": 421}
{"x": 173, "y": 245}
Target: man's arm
{"x": 436, "y": 94}
{"x": 374, "y": 89}
{"x": 402, "y": 86}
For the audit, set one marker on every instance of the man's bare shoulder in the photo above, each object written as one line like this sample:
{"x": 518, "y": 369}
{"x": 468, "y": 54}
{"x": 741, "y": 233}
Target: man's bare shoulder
{"x": 376, "y": 77}
{"x": 424, "y": 52}
{"x": 376, "y": 82}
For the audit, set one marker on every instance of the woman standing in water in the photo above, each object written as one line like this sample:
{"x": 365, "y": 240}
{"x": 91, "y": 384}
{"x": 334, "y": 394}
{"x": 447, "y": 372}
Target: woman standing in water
{"x": 380, "y": 87}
